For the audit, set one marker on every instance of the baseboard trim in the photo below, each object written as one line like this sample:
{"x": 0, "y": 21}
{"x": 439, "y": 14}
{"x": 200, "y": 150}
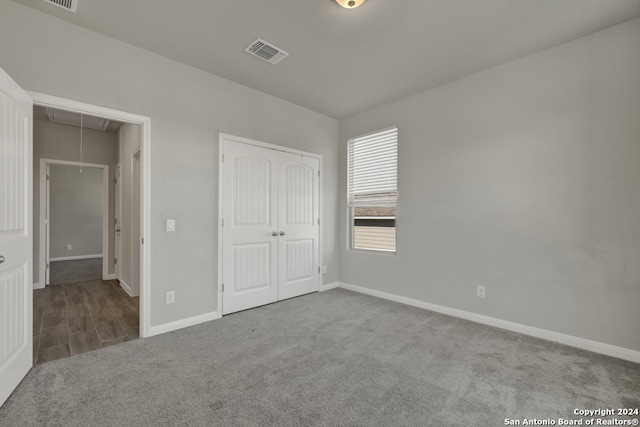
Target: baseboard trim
{"x": 328, "y": 286}
{"x": 38, "y": 286}
{"x": 126, "y": 288}
{"x": 183, "y": 323}
{"x": 582, "y": 343}
{"x": 75, "y": 258}
{"x": 110, "y": 277}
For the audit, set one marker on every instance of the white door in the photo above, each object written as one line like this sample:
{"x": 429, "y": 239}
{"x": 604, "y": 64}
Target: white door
{"x": 47, "y": 225}
{"x": 118, "y": 225}
{"x": 298, "y": 225}
{"x": 16, "y": 340}
{"x": 270, "y": 234}
{"x": 135, "y": 224}
{"x": 250, "y": 229}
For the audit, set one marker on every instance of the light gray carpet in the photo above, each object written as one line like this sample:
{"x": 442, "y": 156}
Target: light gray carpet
{"x": 81, "y": 270}
{"x": 332, "y": 359}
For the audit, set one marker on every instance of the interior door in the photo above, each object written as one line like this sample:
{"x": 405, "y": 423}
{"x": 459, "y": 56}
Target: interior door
{"x": 47, "y": 225}
{"x": 298, "y": 259}
{"x": 16, "y": 340}
{"x": 135, "y": 224}
{"x": 118, "y": 215}
{"x": 249, "y": 232}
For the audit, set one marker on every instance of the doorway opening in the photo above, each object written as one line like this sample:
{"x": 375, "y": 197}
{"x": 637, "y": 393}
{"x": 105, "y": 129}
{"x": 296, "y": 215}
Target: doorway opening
{"x": 74, "y": 221}
{"x": 105, "y": 315}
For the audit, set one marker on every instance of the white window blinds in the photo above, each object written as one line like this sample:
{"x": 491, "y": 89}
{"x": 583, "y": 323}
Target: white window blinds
{"x": 373, "y": 168}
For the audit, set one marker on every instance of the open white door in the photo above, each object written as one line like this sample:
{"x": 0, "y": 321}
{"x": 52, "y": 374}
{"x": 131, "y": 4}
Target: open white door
{"x": 118, "y": 224}
{"x": 16, "y": 294}
{"x": 47, "y": 226}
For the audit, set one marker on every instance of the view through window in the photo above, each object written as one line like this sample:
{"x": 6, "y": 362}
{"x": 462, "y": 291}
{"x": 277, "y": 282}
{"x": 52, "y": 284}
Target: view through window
{"x": 372, "y": 190}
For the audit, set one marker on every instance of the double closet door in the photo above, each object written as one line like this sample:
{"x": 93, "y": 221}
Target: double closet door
{"x": 270, "y": 225}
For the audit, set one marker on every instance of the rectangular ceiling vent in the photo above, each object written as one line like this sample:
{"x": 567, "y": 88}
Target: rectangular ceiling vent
{"x": 266, "y": 51}
{"x": 68, "y": 5}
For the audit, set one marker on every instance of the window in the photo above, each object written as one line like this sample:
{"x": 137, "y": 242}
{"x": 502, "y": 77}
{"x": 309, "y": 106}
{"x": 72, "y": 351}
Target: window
{"x": 373, "y": 190}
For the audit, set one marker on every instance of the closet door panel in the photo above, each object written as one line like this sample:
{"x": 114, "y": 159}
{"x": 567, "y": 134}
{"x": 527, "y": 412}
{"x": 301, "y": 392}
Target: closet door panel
{"x": 249, "y": 248}
{"x": 299, "y": 212}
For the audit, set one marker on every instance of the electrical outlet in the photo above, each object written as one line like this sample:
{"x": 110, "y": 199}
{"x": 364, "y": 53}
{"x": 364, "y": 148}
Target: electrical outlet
{"x": 68, "y": 247}
{"x": 171, "y": 297}
{"x": 480, "y": 291}
{"x": 171, "y": 225}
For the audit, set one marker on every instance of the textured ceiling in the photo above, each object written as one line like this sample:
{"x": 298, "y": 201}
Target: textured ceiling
{"x": 346, "y": 61}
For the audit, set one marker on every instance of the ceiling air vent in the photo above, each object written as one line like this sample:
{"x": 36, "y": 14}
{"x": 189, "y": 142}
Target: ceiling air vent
{"x": 266, "y": 51}
{"x": 68, "y": 5}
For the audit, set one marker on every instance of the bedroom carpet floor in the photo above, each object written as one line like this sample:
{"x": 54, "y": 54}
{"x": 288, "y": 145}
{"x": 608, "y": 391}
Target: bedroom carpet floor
{"x": 335, "y": 358}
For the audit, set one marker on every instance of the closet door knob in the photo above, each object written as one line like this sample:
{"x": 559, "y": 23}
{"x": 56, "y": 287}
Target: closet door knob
{"x": 274, "y": 234}
{"x": 1, "y": 259}
{"x": 281, "y": 233}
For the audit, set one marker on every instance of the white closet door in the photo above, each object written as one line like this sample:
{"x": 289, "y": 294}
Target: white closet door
{"x": 298, "y": 260}
{"x": 16, "y": 287}
{"x": 250, "y": 213}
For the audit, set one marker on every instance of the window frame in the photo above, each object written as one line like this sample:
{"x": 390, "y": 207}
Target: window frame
{"x": 351, "y": 206}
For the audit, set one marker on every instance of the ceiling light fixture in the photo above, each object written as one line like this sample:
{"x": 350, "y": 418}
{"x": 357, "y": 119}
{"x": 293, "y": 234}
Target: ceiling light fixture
{"x": 350, "y": 4}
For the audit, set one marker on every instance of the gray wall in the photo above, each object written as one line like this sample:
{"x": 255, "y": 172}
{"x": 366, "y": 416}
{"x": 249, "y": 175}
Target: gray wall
{"x": 525, "y": 179}
{"x": 129, "y": 144}
{"x": 75, "y": 208}
{"x": 61, "y": 142}
{"x": 188, "y": 110}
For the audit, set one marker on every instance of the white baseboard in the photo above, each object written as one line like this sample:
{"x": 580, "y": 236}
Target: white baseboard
{"x": 183, "y": 323}
{"x": 75, "y": 258}
{"x": 110, "y": 277}
{"x": 582, "y": 343}
{"x": 127, "y": 288}
{"x": 38, "y": 286}
{"x": 327, "y": 286}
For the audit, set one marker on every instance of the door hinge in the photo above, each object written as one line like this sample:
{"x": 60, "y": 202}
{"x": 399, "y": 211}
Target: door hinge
{"x": 115, "y": 180}
{"x": 115, "y": 261}
{"x": 223, "y": 157}
{"x": 222, "y": 222}
{"x": 47, "y": 177}
{"x": 223, "y": 287}
{"x": 318, "y": 221}
{"x": 318, "y": 270}
{"x": 318, "y": 173}
{"x": 142, "y": 240}
{"x": 47, "y": 266}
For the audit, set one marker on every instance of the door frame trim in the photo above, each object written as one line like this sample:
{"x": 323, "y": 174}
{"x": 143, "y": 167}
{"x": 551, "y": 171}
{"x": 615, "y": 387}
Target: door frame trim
{"x": 44, "y": 100}
{"x": 45, "y": 239}
{"x": 275, "y": 147}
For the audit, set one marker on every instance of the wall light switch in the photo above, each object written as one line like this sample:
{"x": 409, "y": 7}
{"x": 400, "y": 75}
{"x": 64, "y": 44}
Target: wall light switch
{"x": 68, "y": 247}
{"x": 171, "y": 225}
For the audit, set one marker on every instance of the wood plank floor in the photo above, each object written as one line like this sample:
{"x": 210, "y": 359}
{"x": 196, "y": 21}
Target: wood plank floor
{"x": 74, "y": 318}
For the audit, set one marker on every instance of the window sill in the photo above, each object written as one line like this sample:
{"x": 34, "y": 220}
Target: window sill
{"x": 373, "y": 251}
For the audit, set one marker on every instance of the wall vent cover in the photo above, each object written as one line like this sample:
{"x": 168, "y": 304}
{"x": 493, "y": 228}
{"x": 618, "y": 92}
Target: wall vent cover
{"x": 266, "y": 51}
{"x": 68, "y": 5}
